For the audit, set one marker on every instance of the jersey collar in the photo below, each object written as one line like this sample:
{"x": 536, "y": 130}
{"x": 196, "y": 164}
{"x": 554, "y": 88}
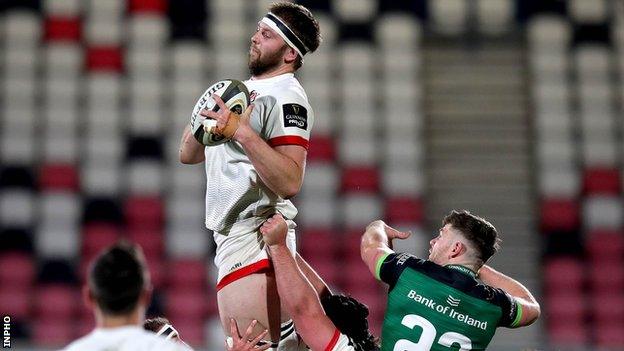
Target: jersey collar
{"x": 462, "y": 269}
{"x": 273, "y": 79}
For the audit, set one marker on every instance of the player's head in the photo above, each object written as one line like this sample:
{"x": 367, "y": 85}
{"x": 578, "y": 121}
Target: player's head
{"x": 284, "y": 35}
{"x": 464, "y": 237}
{"x": 349, "y": 316}
{"x": 118, "y": 282}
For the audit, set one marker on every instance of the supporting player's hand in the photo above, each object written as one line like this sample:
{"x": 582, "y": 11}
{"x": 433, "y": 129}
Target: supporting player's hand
{"x": 236, "y": 342}
{"x": 274, "y": 230}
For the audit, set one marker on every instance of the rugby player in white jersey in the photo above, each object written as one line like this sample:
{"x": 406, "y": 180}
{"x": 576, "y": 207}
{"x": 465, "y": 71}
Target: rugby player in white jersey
{"x": 252, "y": 176}
{"x": 118, "y": 290}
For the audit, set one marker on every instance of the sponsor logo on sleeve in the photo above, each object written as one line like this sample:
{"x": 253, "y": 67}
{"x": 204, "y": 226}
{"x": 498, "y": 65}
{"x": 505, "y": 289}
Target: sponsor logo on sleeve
{"x": 295, "y": 115}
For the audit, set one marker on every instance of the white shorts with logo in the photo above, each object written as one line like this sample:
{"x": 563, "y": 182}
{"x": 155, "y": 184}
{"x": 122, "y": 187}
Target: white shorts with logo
{"x": 242, "y": 252}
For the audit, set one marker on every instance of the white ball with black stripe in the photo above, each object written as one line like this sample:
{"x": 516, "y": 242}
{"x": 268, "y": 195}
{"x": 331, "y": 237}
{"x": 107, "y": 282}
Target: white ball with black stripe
{"x": 234, "y": 94}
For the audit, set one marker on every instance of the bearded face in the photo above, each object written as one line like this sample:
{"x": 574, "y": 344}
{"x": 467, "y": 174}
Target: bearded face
{"x": 262, "y": 61}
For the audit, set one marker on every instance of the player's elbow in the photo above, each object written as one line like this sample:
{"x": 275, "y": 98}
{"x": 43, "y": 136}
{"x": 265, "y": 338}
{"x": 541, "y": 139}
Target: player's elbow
{"x": 190, "y": 159}
{"x": 290, "y": 190}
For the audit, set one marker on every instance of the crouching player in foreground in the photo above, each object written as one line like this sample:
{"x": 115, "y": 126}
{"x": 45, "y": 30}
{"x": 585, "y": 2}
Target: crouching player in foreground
{"x": 451, "y": 300}
{"x": 346, "y": 330}
{"x": 118, "y": 290}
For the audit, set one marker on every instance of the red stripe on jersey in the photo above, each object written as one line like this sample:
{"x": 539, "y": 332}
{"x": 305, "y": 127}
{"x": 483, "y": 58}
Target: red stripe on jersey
{"x": 243, "y": 272}
{"x": 333, "y": 341}
{"x": 289, "y": 140}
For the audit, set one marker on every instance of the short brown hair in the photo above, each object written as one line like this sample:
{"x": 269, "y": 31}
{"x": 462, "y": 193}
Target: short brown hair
{"x": 301, "y": 21}
{"x": 477, "y": 230}
{"x": 154, "y": 324}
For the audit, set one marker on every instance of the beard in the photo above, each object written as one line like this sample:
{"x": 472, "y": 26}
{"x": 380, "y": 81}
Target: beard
{"x": 262, "y": 64}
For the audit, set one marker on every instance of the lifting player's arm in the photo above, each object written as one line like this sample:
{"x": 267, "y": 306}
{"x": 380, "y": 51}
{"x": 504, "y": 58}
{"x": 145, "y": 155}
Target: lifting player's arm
{"x": 281, "y": 168}
{"x": 529, "y": 306}
{"x": 191, "y": 151}
{"x": 296, "y": 293}
{"x": 377, "y": 243}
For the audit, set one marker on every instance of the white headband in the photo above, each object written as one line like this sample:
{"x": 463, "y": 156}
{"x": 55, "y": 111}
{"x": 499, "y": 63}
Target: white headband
{"x": 171, "y": 332}
{"x": 286, "y": 33}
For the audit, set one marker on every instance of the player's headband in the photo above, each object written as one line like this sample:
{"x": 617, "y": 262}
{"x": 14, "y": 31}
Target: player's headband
{"x": 288, "y": 35}
{"x": 168, "y": 331}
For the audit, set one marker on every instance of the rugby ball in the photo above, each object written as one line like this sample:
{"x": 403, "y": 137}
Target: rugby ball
{"x": 234, "y": 94}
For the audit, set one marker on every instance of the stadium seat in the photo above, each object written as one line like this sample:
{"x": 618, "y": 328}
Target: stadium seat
{"x": 357, "y": 179}
{"x": 97, "y": 236}
{"x": 567, "y": 334}
{"x": 17, "y": 269}
{"x": 147, "y": 31}
{"x": 448, "y": 16}
{"x": 603, "y": 212}
{"x": 354, "y": 10}
{"x": 144, "y": 177}
{"x": 321, "y": 179}
{"x": 22, "y": 29}
{"x": 564, "y": 273}
{"x": 321, "y": 148}
{"x": 559, "y": 214}
{"x": 609, "y": 335}
{"x": 17, "y": 207}
{"x": 607, "y": 275}
{"x": 608, "y": 307}
{"x": 495, "y": 16}
{"x": 53, "y": 332}
{"x": 318, "y": 243}
{"x": 398, "y": 31}
{"x": 358, "y": 148}
{"x": 147, "y": 6}
{"x": 186, "y": 239}
{"x": 182, "y": 302}
{"x": 144, "y": 62}
{"x": 585, "y": 12}
{"x": 188, "y": 274}
{"x": 104, "y": 59}
{"x": 317, "y": 210}
{"x": 63, "y": 60}
{"x": 63, "y": 29}
{"x": 605, "y": 244}
{"x": 57, "y": 301}
{"x": 144, "y": 211}
{"x": 62, "y": 8}
{"x": 151, "y": 241}
{"x": 566, "y": 305}
{"x": 100, "y": 178}
{"x": 58, "y": 177}
{"x": 103, "y": 31}
{"x": 326, "y": 269}
{"x": 405, "y": 181}
{"x": 16, "y": 302}
{"x": 404, "y": 209}
{"x": 359, "y": 208}
{"x": 191, "y": 329}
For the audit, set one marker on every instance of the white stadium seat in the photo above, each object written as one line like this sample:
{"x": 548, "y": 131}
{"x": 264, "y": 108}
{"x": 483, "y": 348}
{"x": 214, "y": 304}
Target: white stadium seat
{"x": 188, "y": 60}
{"x": 105, "y": 147}
{"x": 356, "y": 60}
{"x": 354, "y": 10}
{"x": 359, "y": 209}
{"x": 358, "y": 148}
{"x": 495, "y": 16}
{"x": 63, "y": 60}
{"x": 549, "y": 33}
{"x": 17, "y": 208}
{"x": 398, "y": 32}
{"x": 53, "y": 241}
{"x": 17, "y": 146}
{"x": 555, "y": 183}
{"x": 449, "y": 16}
{"x": 144, "y": 177}
{"x": 595, "y": 11}
{"x": 98, "y": 178}
{"x": 60, "y": 145}
{"x": 601, "y": 152}
{"x": 21, "y": 63}
{"x": 103, "y": 91}
{"x": 20, "y": 118}
{"x": 187, "y": 240}
{"x": 592, "y": 63}
{"x": 603, "y": 212}
{"x": 146, "y": 118}
{"x": 317, "y": 211}
{"x": 321, "y": 180}
{"x": 21, "y": 29}
{"x": 111, "y": 9}
{"x": 147, "y": 31}
{"x": 404, "y": 181}
{"x": 62, "y": 8}
{"x": 188, "y": 180}
{"x": 59, "y": 209}
{"x": 104, "y": 31}
{"x": 144, "y": 62}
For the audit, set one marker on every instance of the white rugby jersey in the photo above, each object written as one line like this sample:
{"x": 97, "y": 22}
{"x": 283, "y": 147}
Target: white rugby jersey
{"x": 126, "y": 338}
{"x": 339, "y": 342}
{"x": 234, "y": 191}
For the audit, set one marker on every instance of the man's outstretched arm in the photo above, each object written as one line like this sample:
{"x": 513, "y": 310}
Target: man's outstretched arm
{"x": 530, "y": 307}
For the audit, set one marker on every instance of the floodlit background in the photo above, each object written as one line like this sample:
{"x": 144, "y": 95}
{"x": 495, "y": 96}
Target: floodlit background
{"x": 509, "y": 108}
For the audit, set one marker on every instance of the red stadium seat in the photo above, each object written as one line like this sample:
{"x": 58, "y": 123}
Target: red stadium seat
{"x": 16, "y": 302}
{"x": 17, "y": 269}
{"x": 564, "y": 273}
{"x": 57, "y": 300}
{"x": 326, "y": 269}
{"x": 157, "y": 270}
{"x": 566, "y": 305}
{"x": 605, "y": 245}
{"x": 186, "y": 303}
{"x": 145, "y": 212}
{"x": 62, "y": 29}
{"x": 601, "y": 181}
{"x": 191, "y": 329}
{"x": 565, "y": 333}
{"x": 97, "y": 236}
{"x": 151, "y": 241}
{"x": 608, "y": 307}
{"x": 188, "y": 273}
{"x": 104, "y": 59}
{"x": 58, "y": 176}
{"x": 322, "y": 148}
{"x": 318, "y": 242}
{"x": 404, "y": 209}
{"x": 607, "y": 275}
{"x": 53, "y": 332}
{"x": 560, "y": 215}
{"x": 357, "y": 275}
{"x": 147, "y": 6}
{"x": 609, "y": 335}
{"x": 85, "y": 325}
{"x": 351, "y": 243}
{"x": 360, "y": 179}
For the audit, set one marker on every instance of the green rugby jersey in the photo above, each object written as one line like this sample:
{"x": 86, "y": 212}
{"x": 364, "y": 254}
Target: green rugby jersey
{"x": 431, "y": 307}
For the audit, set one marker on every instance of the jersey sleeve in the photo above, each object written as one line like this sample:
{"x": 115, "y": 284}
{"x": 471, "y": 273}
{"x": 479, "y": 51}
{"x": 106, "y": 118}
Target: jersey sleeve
{"x": 511, "y": 309}
{"x": 390, "y": 267}
{"x": 290, "y": 121}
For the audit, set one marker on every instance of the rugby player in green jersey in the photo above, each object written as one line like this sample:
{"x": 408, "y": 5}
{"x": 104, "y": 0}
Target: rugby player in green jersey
{"x": 453, "y": 300}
